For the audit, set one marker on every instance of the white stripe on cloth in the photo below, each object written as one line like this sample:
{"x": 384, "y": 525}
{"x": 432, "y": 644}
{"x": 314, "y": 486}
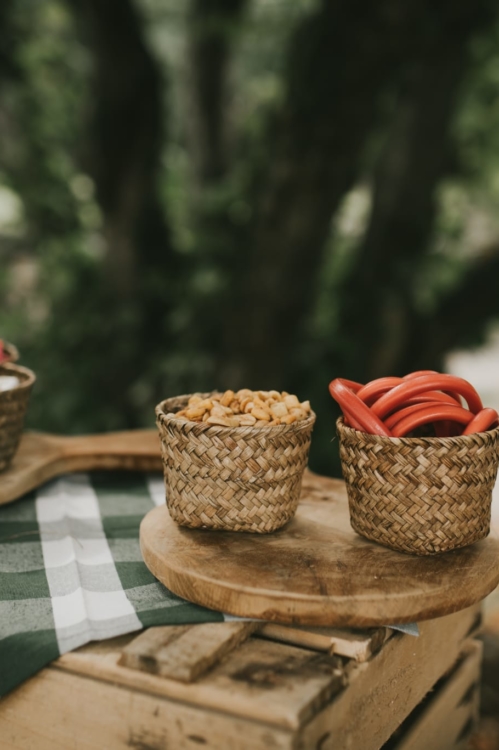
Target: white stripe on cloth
{"x": 80, "y": 615}
{"x": 156, "y": 487}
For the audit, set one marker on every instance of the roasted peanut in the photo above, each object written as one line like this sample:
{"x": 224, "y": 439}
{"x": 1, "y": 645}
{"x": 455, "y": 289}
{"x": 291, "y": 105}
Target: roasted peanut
{"x": 299, "y": 413}
{"x": 227, "y": 398}
{"x": 194, "y": 413}
{"x": 279, "y": 409}
{"x": 246, "y": 420}
{"x": 244, "y": 393}
{"x": 223, "y": 421}
{"x": 218, "y": 410}
{"x": 206, "y": 403}
{"x": 291, "y": 401}
{"x": 245, "y": 408}
{"x": 260, "y": 414}
{"x": 259, "y": 403}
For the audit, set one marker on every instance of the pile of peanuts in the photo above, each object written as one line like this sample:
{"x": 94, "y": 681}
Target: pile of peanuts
{"x": 245, "y": 408}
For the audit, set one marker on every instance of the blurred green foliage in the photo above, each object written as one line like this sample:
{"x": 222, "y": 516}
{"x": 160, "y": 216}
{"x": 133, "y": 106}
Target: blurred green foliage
{"x": 56, "y": 306}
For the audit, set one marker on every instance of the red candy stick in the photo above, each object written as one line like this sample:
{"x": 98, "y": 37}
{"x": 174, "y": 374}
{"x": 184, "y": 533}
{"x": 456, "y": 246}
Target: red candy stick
{"x": 432, "y": 413}
{"x": 407, "y": 411}
{"x": 481, "y": 421}
{"x": 356, "y": 408}
{"x": 418, "y": 374}
{"x": 372, "y": 391}
{"x": 434, "y": 396}
{"x": 399, "y": 395}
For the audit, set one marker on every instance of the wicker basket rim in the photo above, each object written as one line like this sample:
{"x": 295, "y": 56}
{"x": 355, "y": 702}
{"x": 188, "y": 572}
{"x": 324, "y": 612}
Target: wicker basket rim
{"x": 27, "y": 376}
{"x": 301, "y": 424}
{"x": 414, "y": 441}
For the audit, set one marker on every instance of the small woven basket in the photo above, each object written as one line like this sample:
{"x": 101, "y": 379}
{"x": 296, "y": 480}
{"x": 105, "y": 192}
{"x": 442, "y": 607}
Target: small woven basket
{"x": 13, "y": 406}
{"x": 232, "y": 478}
{"x": 419, "y": 495}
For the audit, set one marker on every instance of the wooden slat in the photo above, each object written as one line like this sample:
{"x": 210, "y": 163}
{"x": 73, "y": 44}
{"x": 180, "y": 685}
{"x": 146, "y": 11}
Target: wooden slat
{"x": 57, "y": 710}
{"x": 263, "y": 694}
{"x": 359, "y": 645}
{"x": 262, "y": 680}
{"x": 453, "y": 707}
{"x": 383, "y": 691}
{"x": 184, "y": 652}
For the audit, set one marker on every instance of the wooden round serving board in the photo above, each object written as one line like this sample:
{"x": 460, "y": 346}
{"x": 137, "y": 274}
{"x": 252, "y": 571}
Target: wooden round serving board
{"x": 315, "y": 571}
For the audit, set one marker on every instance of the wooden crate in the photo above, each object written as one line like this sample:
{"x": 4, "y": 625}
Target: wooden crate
{"x": 240, "y": 686}
{"x": 446, "y": 717}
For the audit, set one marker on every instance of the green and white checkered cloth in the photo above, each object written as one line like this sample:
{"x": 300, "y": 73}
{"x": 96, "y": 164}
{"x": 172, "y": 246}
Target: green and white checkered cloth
{"x": 71, "y": 570}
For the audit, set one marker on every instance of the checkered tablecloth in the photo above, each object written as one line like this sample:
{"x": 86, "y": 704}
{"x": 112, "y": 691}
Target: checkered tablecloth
{"x": 71, "y": 570}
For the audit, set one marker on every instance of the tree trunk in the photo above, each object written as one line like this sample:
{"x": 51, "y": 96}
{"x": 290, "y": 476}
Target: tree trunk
{"x": 123, "y": 156}
{"x": 213, "y": 25}
{"x": 329, "y": 110}
{"x": 8, "y": 65}
{"x": 380, "y": 310}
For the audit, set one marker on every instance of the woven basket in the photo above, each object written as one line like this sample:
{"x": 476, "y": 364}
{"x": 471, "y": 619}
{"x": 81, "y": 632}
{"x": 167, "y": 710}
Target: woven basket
{"x": 232, "y": 478}
{"x": 419, "y": 495}
{"x": 13, "y": 406}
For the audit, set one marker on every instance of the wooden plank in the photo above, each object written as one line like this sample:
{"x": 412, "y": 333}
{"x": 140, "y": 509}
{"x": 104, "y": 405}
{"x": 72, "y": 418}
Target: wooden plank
{"x": 41, "y": 457}
{"x": 452, "y": 709}
{"x": 359, "y": 645}
{"x": 261, "y": 695}
{"x": 184, "y": 652}
{"x": 383, "y": 691}
{"x": 261, "y": 680}
{"x": 57, "y": 710}
{"x": 315, "y": 571}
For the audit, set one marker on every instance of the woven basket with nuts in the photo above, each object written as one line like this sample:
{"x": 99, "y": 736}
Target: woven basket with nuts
{"x": 234, "y": 460}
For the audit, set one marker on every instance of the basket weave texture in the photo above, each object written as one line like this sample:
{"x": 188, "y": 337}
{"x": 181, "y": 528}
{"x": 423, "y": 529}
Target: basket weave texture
{"x": 13, "y": 406}
{"x": 419, "y": 495}
{"x": 232, "y": 478}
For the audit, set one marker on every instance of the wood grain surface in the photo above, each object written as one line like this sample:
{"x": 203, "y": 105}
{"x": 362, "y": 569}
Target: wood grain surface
{"x": 261, "y": 694}
{"x": 185, "y": 652}
{"x": 316, "y": 570}
{"x": 41, "y": 457}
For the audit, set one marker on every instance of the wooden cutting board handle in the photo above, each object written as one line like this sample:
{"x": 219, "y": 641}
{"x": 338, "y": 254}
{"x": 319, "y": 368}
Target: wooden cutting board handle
{"x": 133, "y": 449}
{"x": 41, "y": 457}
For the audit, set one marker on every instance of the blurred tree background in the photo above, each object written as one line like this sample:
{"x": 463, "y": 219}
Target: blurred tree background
{"x": 229, "y": 193}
